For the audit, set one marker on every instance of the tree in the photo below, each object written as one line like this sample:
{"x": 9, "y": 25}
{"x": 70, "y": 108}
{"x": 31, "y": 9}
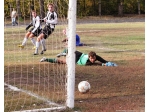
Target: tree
{"x": 18, "y": 8}
{"x": 139, "y": 11}
{"x": 120, "y": 7}
{"x": 99, "y": 7}
{"x": 41, "y": 4}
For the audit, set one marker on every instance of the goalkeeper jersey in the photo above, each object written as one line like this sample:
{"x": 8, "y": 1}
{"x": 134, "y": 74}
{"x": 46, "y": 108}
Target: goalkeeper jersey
{"x": 83, "y": 59}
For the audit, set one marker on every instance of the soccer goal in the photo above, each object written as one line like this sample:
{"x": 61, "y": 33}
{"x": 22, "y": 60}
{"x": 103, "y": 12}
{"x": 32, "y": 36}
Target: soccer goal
{"x": 31, "y": 85}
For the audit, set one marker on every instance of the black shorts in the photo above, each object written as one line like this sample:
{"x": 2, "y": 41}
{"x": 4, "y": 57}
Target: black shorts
{"x": 47, "y": 30}
{"x": 37, "y": 32}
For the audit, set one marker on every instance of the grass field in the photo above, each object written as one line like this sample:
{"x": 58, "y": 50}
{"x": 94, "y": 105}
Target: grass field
{"x": 113, "y": 89}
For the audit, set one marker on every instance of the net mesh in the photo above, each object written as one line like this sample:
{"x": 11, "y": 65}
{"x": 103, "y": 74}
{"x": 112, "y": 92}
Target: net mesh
{"x": 28, "y": 83}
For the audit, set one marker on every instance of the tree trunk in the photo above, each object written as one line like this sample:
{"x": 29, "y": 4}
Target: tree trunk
{"x": 32, "y": 5}
{"x": 94, "y": 7}
{"x": 55, "y": 5}
{"x": 139, "y": 11}
{"x": 84, "y": 5}
{"x": 18, "y": 8}
{"x": 99, "y": 9}
{"x": 120, "y": 7}
{"x": 42, "y": 14}
{"x": 10, "y": 6}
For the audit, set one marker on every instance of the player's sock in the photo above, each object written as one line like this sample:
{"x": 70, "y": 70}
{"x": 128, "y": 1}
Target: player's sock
{"x": 54, "y": 60}
{"x": 24, "y": 41}
{"x": 43, "y": 44}
{"x": 37, "y": 46}
{"x": 33, "y": 41}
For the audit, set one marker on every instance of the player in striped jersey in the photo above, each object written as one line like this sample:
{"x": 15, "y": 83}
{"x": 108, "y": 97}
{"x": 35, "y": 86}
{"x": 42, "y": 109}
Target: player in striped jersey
{"x": 34, "y": 31}
{"x": 51, "y": 21}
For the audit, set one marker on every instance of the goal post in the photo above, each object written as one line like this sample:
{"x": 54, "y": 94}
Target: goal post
{"x": 71, "y": 53}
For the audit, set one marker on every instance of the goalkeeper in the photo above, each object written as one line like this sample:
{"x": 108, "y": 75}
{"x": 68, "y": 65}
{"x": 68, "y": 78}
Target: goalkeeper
{"x": 82, "y": 59}
{"x": 34, "y": 31}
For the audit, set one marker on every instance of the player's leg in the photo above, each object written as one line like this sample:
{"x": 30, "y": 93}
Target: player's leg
{"x": 39, "y": 38}
{"x": 53, "y": 60}
{"x": 31, "y": 36}
{"x": 24, "y": 40}
{"x": 64, "y": 53}
{"x": 43, "y": 45}
{"x": 38, "y": 43}
{"x": 12, "y": 21}
{"x": 46, "y": 31}
{"x": 16, "y": 22}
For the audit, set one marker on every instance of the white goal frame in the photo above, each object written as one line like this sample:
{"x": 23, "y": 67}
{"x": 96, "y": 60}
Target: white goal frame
{"x": 71, "y": 53}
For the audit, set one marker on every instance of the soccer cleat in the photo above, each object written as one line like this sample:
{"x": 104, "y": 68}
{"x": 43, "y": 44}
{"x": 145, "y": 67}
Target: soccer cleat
{"x": 43, "y": 59}
{"x": 21, "y": 46}
{"x": 34, "y": 48}
{"x": 35, "y": 54}
{"x": 61, "y": 54}
{"x": 42, "y": 52}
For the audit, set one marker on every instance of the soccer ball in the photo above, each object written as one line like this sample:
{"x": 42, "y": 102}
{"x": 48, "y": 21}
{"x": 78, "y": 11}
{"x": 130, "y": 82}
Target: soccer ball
{"x": 84, "y": 86}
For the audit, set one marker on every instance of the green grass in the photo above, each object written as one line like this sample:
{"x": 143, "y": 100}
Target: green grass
{"x": 123, "y": 43}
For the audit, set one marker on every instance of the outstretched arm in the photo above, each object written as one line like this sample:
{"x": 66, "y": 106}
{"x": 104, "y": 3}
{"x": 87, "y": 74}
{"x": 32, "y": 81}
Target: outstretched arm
{"x": 100, "y": 59}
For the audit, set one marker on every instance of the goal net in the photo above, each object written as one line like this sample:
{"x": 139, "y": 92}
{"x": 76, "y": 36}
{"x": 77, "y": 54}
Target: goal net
{"x": 31, "y": 85}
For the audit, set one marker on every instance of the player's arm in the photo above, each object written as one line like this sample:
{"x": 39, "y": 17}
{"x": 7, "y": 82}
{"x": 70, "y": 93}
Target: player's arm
{"x": 44, "y": 19}
{"x": 100, "y": 59}
{"x": 29, "y": 26}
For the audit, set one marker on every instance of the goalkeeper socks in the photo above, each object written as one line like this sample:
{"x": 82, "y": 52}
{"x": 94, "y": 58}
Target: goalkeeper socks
{"x": 54, "y": 60}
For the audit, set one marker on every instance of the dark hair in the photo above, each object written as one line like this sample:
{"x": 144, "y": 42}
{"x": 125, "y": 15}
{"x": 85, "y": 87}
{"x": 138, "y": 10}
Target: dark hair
{"x": 92, "y": 54}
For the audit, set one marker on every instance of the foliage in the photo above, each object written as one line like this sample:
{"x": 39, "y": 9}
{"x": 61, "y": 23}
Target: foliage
{"x": 84, "y": 7}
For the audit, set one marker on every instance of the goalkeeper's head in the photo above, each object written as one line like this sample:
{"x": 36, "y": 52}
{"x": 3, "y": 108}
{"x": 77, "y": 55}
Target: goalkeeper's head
{"x": 92, "y": 56}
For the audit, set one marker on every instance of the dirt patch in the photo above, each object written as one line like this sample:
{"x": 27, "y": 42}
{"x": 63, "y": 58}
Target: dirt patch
{"x": 112, "y": 88}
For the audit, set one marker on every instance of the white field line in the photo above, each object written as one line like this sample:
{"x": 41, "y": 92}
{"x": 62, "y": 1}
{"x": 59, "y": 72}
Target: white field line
{"x": 36, "y": 96}
{"x": 43, "y": 109}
